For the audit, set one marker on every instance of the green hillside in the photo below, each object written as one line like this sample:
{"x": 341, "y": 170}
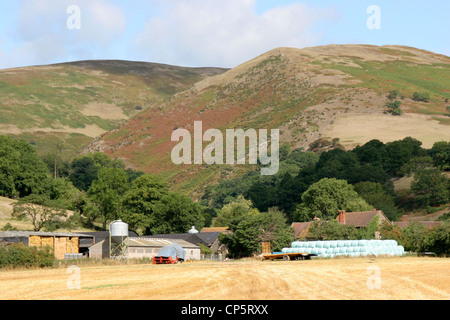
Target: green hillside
{"x": 311, "y": 95}
{"x": 72, "y": 103}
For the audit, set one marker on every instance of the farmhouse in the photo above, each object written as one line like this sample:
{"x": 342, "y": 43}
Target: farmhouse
{"x": 356, "y": 219}
{"x": 61, "y": 243}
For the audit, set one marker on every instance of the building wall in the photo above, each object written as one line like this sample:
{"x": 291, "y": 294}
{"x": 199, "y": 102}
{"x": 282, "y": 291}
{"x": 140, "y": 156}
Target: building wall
{"x": 99, "y": 250}
{"x": 150, "y": 252}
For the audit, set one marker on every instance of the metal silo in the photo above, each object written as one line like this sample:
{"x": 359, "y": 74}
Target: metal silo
{"x": 118, "y": 232}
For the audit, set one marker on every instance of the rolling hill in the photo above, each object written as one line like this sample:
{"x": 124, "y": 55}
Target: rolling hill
{"x": 327, "y": 92}
{"x": 71, "y": 103}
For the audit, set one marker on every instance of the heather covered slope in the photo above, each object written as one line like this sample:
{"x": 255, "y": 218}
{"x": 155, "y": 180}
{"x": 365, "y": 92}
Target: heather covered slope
{"x": 72, "y": 103}
{"x": 335, "y": 91}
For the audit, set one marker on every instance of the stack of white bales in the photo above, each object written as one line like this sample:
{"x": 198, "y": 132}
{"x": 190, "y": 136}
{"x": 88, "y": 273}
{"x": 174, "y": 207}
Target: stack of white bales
{"x": 351, "y": 248}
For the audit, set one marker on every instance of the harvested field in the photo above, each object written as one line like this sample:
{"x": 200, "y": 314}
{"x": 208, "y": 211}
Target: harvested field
{"x": 406, "y": 278}
{"x": 358, "y": 129}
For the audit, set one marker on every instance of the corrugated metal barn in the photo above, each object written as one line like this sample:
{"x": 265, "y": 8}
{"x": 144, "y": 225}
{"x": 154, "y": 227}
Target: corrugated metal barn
{"x": 61, "y": 243}
{"x": 149, "y": 247}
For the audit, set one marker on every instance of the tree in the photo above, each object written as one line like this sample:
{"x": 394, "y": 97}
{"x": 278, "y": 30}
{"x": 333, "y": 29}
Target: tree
{"x": 330, "y": 230}
{"x": 399, "y": 153}
{"x": 437, "y": 240}
{"x": 431, "y": 187}
{"x": 175, "y": 213}
{"x": 236, "y": 209}
{"x": 440, "y": 152}
{"x": 413, "y": 235}
{"x": 21, "y": 171}
{"x": 139, "y": 201}
{"x": 107, "y": 192}
{"x": 375, "y": 195}
{"x": 326, "y": 197}
{"x": 84, "y": 172}
{"x": 250, "y": 230}
{"x": 39, "y": 210}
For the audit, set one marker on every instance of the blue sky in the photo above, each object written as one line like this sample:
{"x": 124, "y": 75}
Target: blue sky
{"x": 208, "y": 32}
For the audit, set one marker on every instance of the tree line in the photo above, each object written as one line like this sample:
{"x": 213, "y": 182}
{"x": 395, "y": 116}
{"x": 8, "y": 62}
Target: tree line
{"x": 99, "y": 189}
{"x": 311, "y": 184}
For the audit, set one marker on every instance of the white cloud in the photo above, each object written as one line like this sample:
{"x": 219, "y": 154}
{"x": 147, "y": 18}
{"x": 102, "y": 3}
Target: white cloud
{"x": 42, "y": 35}
{"x": 225, "y": 33}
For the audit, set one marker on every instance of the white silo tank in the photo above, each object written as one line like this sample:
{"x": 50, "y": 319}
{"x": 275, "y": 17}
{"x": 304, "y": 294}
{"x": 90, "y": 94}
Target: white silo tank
{"x": 118, "y": 230}
{"x": 193, "y": 230}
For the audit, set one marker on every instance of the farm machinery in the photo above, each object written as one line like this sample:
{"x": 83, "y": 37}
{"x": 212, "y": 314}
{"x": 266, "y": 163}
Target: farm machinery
{"x": 170, "y": 254}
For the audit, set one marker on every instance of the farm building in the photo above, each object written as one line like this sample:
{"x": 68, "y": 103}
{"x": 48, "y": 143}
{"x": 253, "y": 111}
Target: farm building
{"x": 208, "y": 239}
{"x": 100, "y": 248}
{"x": 405, "y": 222}
{"x": 356, "y": 219}
{"x": 140, "y": 247}
{"x": 361, "y": 219}
{"x": 61, "y": 243}
{"x": 149, "y": 247}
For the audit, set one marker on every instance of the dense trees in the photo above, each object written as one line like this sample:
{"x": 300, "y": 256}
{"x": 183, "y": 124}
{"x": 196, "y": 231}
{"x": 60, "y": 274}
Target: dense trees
{"x": 100, "y": 189}
{"x": 370, "y": 168}
{"x": 21, "y": 171}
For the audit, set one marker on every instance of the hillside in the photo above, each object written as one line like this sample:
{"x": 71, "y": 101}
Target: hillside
{"x": 72, "y": 103}
{"x": 335, "y": 91}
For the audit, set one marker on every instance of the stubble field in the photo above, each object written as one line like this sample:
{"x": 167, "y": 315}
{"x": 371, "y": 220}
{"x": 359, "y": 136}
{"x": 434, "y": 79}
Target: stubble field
{"x": 406, "y": 278}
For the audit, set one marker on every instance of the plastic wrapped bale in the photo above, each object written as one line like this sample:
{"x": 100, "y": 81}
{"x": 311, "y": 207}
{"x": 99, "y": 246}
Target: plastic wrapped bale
{"x": 375, "y": 242}
{"x": 297, "y": 244}
{"x": 363, "y": 243}
{"x": 354, "y": 243}
{"x": 312, "y": 244}
{"x": 319, "y": 244}
{"x": 343, "y": 250}
{"x": 327, "y": 244}
{"x": 333, "y": 244}
{"x": 284, "y": 250}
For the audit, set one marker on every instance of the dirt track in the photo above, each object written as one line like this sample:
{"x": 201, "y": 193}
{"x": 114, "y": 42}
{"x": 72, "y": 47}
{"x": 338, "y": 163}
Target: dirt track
{"x": 355, "y": 279}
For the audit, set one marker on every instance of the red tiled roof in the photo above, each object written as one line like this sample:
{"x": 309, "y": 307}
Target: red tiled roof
{"x": 361, "y": 219}
{"x": 300, "y": 228}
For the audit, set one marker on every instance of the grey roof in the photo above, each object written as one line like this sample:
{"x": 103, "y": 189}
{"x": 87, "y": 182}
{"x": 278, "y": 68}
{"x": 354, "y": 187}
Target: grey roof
{"x": 193, "y": 238}
{"x": 102, "y": 235}
{"x": 10, "y": 234}
{"x": 209, "y": 237}
{"x": 155, "y": 242}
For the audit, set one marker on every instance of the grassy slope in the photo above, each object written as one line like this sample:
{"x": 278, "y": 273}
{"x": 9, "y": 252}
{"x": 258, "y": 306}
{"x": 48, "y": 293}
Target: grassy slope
{"x": 75, "y": 102}
{"x": 301, "y": 92}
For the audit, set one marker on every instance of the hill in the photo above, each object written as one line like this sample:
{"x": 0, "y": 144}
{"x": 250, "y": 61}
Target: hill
{"x": 72, "y": 103}
{"x": 334, "y": 91}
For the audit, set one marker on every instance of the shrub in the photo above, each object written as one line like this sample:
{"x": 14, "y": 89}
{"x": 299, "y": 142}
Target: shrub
{"x": 20, "y": 255}
{"x": 421, "y": 96}
{"x": 393, "y": 94}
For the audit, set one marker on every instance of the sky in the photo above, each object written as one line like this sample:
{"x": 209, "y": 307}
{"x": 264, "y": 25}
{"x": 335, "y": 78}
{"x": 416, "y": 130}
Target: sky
{"x": 200, "y": 33}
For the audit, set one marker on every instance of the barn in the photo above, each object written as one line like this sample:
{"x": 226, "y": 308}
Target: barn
{"x": 61, "y": 243}
{"x": 141, "y": 247}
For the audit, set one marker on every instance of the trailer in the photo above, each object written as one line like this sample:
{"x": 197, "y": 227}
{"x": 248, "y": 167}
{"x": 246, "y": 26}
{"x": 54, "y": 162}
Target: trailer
{"x": 268, "y": 255}
{"x": 287, "y": 256}
{"x": 166, "y": 260}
